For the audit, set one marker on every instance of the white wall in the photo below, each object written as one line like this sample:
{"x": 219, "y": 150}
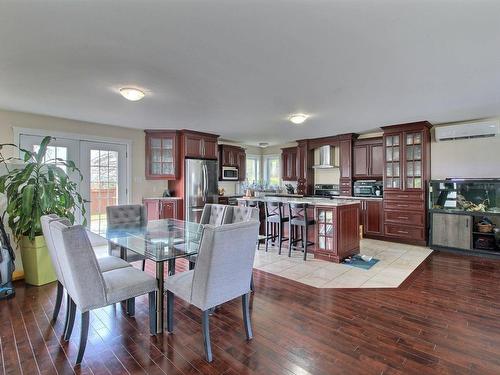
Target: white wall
{"x": 467, "y": 158}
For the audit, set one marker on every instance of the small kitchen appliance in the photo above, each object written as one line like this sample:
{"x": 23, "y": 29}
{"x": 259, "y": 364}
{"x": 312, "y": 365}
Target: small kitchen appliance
{"x": 368, "y": 188}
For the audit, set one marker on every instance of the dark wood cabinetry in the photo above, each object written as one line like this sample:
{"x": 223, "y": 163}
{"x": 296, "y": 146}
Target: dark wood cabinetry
{"x": 406, "y": 175}
{"x": 161, "y": 154}
{"x": 337, "y": 232}
{"x": 289, "y": 164}
{"x": 345, "y": 154}
{"x": 233, "y": 156}
{"x": 199, "y": 145}
{"x": 162, "y": 208}
{"x": 372, "y": 217}
{"x": 305, "y": 175}
{"x": 368, "y": 158}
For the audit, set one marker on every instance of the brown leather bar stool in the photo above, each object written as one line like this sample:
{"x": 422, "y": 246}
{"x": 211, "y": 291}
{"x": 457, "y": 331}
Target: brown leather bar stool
{"x": 275, "y": 224}
{"x": 299, "y": 223}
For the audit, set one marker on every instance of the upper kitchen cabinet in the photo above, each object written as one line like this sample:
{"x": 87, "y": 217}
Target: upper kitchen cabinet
{"x": 233, "y": 156}
{"x": 368, "y": 158}
{"x": 199, "y": 145}
{"x": 407, "y": 156}
{"x": 161, "y": 154}
{"x": 289, "y": 164}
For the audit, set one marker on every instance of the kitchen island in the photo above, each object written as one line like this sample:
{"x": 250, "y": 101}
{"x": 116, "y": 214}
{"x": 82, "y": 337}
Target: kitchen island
{"x": 336, "y": 229}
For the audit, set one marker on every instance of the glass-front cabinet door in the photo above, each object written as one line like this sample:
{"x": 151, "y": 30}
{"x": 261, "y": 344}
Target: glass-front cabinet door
{"x": 413, "y": 160}
{"x": 161, "y": 160}
{"x": 393, "y": 161}
{"x": 325, "y": 228}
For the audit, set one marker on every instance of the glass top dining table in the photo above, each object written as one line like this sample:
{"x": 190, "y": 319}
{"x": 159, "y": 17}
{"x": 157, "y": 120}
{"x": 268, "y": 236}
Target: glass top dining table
{"x": 159, "y": 241}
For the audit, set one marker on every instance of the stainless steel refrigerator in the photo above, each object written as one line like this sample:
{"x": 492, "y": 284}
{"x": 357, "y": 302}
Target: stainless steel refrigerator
{"x": 201, "y": 186}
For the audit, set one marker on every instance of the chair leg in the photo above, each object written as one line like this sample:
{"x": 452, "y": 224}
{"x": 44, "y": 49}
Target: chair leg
{"x": 206, "y": 335}
{"x": 144, "y": 264}
{"x": 83, "y": 336}
{"x": 246, "y": 315}
{"x": 267, "y": 235}
{"x": 191, "y": 265}
{"x": 130, "y": 306}
{"x": 252, "y": 286}
{"x": 290, "y": 239}
{"x": 280, "y": 237}
{"x": 59, "y": 297}
{"x": 71, "y": 319}
{"x": 305, "y": 243}
{"x": 66, "y": 318}
{"x": 170, "y": 311}
{"x": 152, "y": 313}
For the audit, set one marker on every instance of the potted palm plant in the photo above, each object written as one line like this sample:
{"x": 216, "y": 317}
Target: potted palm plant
{"x": 41, "y": 186}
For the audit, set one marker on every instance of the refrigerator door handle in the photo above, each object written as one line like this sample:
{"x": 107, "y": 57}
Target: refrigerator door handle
{"x": 205, "y": 182}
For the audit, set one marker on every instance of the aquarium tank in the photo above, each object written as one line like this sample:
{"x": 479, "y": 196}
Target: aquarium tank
{"x": 473, "y": 195}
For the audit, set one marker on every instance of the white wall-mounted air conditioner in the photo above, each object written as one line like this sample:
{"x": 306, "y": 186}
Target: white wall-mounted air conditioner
{"x": 479, "y": 129}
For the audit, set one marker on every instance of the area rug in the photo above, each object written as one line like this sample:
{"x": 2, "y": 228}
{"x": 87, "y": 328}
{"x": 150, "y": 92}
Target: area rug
{"x": 357, "y": 261}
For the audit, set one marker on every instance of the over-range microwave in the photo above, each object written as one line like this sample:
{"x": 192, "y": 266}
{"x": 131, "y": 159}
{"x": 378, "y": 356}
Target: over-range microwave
{"x": 230, "y": 173}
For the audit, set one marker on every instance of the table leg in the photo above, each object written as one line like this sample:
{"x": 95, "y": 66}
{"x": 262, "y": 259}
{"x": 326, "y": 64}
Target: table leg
{"x": 171, "y": 267}
{"x": 159, "y": 297}
{"x": 123, "y": 253}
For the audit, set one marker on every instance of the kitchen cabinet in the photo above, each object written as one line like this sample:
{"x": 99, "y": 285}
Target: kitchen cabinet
{"x": 242, "y": 165}
{"x": 162, "y": 208}
{"x": 454, "y": 231}
{"x": 305, "y": 174}
{"x": 199, "y": 145}
{"x": 406, "y": 175}
{"x": 161, "y": 154}
{"x": 345, "y": 154}
{"x": 289, "y": 165}
{"x": 372, "y": 217}
{"x": 368, "y": 158}
{"x": 337, "y": 232}
{"x": 233, "y": 156}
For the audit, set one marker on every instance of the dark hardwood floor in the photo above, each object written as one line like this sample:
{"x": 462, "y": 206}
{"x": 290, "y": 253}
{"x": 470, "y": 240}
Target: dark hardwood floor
{"x": 444, "y": 320}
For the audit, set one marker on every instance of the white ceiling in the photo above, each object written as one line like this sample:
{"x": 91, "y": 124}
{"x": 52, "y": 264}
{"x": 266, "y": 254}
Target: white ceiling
{"x": 238, "y": 68}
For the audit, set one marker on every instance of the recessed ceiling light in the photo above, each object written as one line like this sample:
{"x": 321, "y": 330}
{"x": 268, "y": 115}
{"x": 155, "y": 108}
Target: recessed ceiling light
{"x": 298, "y": 118}
{"x": 131, "y": 93}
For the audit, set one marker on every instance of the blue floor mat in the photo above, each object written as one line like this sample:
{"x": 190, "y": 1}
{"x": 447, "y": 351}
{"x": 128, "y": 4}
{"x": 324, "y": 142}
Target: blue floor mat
{"x": 356, "y": 261}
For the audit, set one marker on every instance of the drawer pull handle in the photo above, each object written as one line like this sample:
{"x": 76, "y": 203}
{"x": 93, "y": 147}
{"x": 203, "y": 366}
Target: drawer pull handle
{"x": 402, "y": 196}
{"x": 402, "y": 231}
{"x": 402, "y": 205}
{"x": 403, "y": 217}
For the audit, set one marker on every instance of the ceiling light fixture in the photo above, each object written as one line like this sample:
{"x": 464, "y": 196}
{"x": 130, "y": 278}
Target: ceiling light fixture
{"x": 131, "y": 93}
{"x": 298, "y": 118}
{"x": 263, "y": 144}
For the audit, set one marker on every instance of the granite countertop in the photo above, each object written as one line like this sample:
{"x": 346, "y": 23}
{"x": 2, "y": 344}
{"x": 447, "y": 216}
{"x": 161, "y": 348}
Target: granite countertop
{"x": 309, "y": 200}
{"x": 363, "y": 198}
{"x": 162, "y": 198}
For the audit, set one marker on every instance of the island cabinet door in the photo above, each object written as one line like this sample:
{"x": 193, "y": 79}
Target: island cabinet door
{"x": 326, "y": 244}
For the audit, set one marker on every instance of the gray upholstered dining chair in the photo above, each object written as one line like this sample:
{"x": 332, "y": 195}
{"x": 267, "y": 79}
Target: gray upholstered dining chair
{"x": 238, "y": 214}
{"x": 222, "y": 273}
{"x": 106, "y": 263}
{"x": 126, "y": 216}
{"x": 88, "y": 287}
{"x": 212, "y": 214}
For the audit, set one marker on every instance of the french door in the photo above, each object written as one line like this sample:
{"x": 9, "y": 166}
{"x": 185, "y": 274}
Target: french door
{"x": 103, "y": 166}
{"x": 104, "y": 170}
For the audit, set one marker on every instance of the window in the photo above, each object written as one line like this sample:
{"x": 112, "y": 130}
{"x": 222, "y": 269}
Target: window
{"x": 253, "y": 169}
{"x": 272, "y": 170}
{"x": 53, "y": 154}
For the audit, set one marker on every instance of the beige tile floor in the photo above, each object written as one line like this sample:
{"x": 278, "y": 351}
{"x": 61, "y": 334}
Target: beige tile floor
{"x": 396, "y": 263}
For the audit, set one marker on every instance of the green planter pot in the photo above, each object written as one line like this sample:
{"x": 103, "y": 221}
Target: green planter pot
{"x": 38, "y": 269}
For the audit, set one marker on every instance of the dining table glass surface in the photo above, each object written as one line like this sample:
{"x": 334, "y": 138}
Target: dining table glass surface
{"x": 159, "y": 240}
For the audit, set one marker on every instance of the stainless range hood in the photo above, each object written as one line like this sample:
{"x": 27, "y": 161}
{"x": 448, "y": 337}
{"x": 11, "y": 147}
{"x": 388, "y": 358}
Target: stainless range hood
{"x": 326, "y": 158}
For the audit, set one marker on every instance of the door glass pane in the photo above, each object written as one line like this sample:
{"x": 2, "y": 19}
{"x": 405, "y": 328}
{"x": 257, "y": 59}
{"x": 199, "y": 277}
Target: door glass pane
{"x": 103, "y": 186}
{"x": 395, "y": 154}
{"x": 54, "y": 155}
{"x": 417, "y": 154}
{"x": 388, "y": 141}
{"x": 388, "y": 154}
{"x": 409, "y": 152}
{"x": 389, "y": 169}
{"x": 388, "y": 182}
{"x": 395, "y": 140}
{"x": 409, "y": 168}
{"x": 395, "y": 169}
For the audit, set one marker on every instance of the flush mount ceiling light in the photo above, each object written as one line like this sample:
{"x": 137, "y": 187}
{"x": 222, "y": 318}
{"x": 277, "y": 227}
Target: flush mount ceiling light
{"x": 263, "y": 144}
{"x": 131, "y": 93}
{"x": 298, "y": 118}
